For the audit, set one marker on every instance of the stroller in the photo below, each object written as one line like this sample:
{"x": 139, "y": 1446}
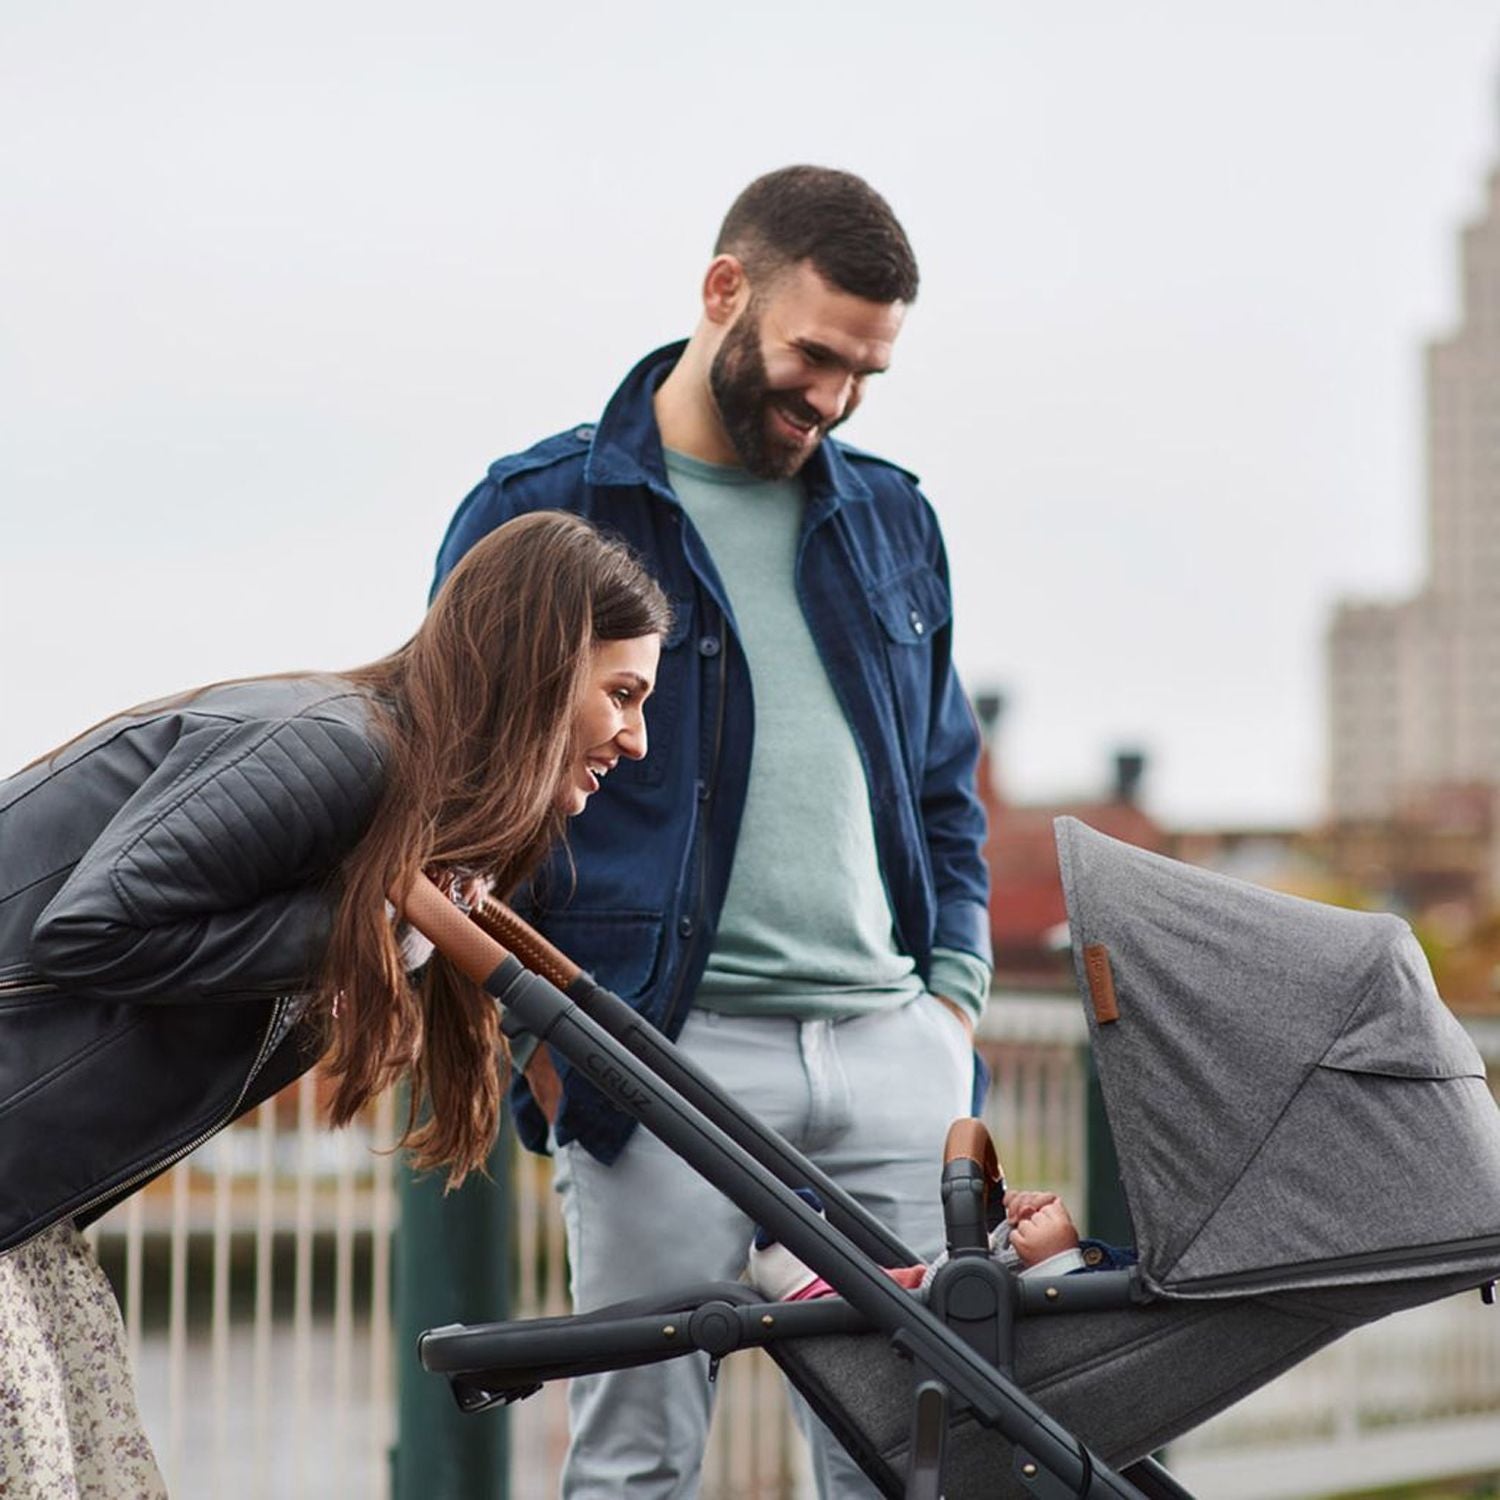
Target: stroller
{"x": 1307, "y": 1143}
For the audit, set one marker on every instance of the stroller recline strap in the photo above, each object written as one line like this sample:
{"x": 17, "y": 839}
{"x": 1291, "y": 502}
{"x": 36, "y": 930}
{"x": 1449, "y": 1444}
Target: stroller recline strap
{"x": 1101, "y": 983}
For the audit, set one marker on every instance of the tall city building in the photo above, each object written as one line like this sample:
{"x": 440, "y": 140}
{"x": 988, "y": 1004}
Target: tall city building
{"x": 1414, "y": 685}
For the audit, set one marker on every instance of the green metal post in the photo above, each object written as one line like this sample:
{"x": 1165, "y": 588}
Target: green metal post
{"x": 453, "y": 1265}
{"x": 1106, "y": 1215}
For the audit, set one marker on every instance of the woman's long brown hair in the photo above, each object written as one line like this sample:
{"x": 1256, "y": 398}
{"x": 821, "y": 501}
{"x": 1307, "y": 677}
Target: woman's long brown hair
{"x": 476, "y": 712}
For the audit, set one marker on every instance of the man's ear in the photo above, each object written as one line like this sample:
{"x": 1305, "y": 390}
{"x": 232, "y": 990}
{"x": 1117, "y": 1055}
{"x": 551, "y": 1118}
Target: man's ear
{"x": 726, "y": 289}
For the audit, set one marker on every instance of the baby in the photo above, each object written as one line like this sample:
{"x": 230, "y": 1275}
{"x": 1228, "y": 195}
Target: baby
{"x": 1038, "y": 1236}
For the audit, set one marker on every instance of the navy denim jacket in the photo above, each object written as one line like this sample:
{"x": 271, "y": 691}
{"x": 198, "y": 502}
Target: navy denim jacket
{"x": 653, "y": 850}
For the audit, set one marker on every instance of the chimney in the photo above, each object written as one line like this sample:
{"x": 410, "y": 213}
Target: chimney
{"x": 988, "y": 706}
{"x": 1130, "y": 766}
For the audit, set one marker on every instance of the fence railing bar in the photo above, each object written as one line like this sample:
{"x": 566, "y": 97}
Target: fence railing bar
{"x": 220, "y": 1155}
{"x": 265, "y": 1271}
{"x": 343, "y": 1286}
{"x": 383, "y": 1217}
{"x": 134, "y": 1259}
{"x": 177, "y": 1328}
{"x": 302, "y": 1269}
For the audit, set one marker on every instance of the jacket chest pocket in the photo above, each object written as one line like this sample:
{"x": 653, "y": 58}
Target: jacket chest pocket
{"x": 911, "y": 607}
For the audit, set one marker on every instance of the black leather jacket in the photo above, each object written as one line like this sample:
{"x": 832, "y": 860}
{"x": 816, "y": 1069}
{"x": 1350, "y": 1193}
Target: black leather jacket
{"x": 166, "y": 890}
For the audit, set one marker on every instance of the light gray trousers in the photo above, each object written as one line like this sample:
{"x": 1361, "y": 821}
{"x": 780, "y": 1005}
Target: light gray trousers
{"x": 869, "y": 1099}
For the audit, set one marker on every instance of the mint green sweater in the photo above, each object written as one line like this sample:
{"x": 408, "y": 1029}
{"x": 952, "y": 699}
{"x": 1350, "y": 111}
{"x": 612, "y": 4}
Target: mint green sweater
{"x": 806, "y": 928}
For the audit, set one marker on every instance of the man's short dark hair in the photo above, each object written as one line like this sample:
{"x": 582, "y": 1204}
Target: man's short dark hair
{"x": 833, "y": 219}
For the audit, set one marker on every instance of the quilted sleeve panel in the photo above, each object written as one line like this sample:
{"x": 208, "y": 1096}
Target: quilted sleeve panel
{"x": 216, "y": 877}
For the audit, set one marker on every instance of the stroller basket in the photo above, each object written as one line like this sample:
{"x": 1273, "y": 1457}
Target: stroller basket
{"x": 1271, "y": 1068}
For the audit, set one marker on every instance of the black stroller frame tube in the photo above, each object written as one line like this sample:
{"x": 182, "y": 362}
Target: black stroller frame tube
{"x": 754, "y": 1188}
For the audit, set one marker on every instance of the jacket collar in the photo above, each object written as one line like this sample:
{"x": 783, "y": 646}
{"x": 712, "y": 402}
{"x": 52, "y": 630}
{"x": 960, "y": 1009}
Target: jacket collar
{"x": 626, "y": 446}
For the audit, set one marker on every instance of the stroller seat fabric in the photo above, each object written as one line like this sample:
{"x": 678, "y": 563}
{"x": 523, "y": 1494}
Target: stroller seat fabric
{"x": 1125, "y": 1383}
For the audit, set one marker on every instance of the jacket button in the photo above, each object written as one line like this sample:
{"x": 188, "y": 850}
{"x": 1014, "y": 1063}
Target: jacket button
{"x": 685, "y": 927}
{"x": 702, "y": 787}
{"x": 708, "y": 645}
{"x": 916, "y": 622}
{"x": 1092, "y": 1256}
{"x": 584, "y": 434}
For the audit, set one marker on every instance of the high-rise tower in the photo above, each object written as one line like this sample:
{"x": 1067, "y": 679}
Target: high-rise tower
{"x": 1414, "y": 686}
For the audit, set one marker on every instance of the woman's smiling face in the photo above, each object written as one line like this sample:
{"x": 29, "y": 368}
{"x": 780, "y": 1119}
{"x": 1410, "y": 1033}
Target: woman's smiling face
{"x": 609, "y": 721}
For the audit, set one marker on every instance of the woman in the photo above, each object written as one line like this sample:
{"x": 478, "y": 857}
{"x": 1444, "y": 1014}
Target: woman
{"x": 193, "y": 911}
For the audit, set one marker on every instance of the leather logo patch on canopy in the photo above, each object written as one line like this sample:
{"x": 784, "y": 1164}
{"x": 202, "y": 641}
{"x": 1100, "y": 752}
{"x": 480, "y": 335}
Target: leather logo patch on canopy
{"x": 1101, "y": 983}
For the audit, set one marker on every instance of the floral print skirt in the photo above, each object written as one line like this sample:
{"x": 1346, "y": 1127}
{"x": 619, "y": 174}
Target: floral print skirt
{"x": 68, "y": 1423}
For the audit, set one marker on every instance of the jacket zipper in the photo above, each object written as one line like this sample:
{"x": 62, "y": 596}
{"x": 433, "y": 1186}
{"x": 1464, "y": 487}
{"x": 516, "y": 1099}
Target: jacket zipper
{"x": 700, "y": 900}
{"x": 26, "y": 984}
{"x": 123, "y": 1189}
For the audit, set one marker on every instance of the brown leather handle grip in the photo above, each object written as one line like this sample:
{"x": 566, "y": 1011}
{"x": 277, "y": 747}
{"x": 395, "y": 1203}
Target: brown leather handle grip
{"x": 969, "y": 1140}
{"x": 471, "y": 949}
{"x": 540, "y": 956}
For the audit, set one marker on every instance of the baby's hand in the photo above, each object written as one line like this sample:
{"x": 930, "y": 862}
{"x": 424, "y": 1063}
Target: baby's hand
{"x": 1045, "y": 1231}
{"x": 1020, "y": 1206}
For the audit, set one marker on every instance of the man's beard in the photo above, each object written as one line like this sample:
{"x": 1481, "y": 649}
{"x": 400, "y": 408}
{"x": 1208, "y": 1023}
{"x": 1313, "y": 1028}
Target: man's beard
{"x": 744, "y": 398}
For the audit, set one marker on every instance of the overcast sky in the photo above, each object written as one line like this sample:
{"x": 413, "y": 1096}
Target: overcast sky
{"x": 278, "y": 282}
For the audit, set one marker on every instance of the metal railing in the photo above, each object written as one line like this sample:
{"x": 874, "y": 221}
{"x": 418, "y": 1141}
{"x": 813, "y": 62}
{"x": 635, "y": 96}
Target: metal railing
{"x": 256, "y": 1285}
{"x": 255, "y": 1279}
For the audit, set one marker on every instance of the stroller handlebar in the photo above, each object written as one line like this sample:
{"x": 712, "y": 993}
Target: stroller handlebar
{"x": 473, "y": 950}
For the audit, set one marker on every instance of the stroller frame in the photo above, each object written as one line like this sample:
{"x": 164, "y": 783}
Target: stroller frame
{"x": 644, "y": 1074}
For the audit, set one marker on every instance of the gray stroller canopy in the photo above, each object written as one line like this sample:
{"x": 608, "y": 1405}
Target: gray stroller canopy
{"x": 1293, "y": 1103}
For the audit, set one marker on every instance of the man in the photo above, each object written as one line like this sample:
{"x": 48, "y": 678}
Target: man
{"x": 791, "y": 882}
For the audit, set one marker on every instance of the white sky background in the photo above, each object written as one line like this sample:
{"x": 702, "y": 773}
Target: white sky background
{"x": 277, "y": 283}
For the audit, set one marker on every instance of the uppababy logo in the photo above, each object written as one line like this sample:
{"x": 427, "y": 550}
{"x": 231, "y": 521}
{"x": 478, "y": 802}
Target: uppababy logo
{"x": 611, "y": 1078}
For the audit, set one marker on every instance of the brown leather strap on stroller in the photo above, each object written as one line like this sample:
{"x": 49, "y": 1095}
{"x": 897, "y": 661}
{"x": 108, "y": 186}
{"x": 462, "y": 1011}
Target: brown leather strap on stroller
{"x": 969, "y": 1140}
{"x": 522, "y": 939}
